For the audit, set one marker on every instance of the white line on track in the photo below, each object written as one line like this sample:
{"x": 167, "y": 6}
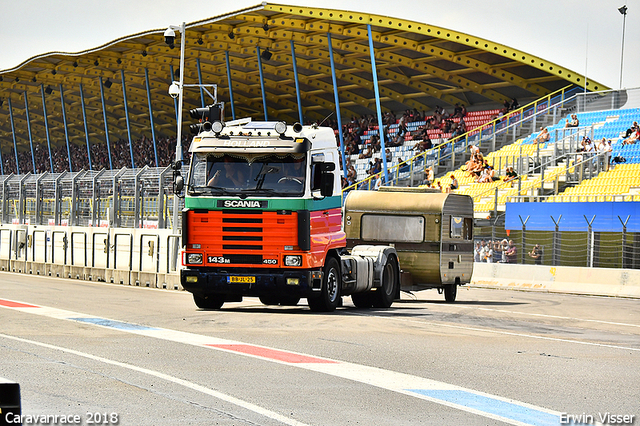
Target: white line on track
{"x": 198, "y": 388}
{"x": 489, "y": 406}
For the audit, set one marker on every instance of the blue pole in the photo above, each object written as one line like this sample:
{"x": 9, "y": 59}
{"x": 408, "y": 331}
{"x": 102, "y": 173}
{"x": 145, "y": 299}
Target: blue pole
{"x": 126, "y": 114}
{"x": 66, "y": 130}
{"x": 153, "y": 130}
{"x": 378, "y": 109}
{"x": 46, "y": 126}
{"x": 26, "y": 109}
{"x": 86, "y": 127}
{"x": 337, "y": 99}
{"x": 233, "y": 109}
{"x": 295, "y": 77}
{"x": 264, "y": 99}
{"x": 13, "y": 133}
{"x": 106, "y": 127}
{"x": 200, "y": 82}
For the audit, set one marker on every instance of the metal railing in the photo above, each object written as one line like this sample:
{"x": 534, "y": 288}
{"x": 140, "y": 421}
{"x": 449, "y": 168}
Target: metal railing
{"x": 125, "y": 198}
{"x": 412, "y": 169}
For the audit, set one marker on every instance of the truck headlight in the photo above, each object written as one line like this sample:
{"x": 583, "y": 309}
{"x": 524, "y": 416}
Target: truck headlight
{"x": 194, "y": 258}
{"x": 293, "y": 261}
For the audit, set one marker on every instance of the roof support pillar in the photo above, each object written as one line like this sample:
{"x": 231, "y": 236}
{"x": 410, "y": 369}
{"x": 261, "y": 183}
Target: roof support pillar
{"x": 86, "y": 126}
{"x": 264, "y": 97}
{"x": 126, "y": 115}
{"x": 153, "y": 129}
{"x": 200, "y": 82}
{"x": 233, "y": 108}
{"x": 295, "y": 77}
{"x": 13, "y": 133}
{"x": 3, "y": 193}
{"x": 66, "y": 130}
{"x": 374, "y": 72}
{"x": 46, "y": 126}
{"x": 26, "y": 109}
{"x": 106, "y": 127}
{"x": 337, "y": 99}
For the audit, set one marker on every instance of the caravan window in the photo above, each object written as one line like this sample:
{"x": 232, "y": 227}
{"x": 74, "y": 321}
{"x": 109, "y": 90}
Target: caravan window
{"x": 461, "y": 227}
{"x": 389, "y": 228}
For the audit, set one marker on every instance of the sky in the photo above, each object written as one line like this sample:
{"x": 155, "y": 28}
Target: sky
{"x": 583, "y": 36}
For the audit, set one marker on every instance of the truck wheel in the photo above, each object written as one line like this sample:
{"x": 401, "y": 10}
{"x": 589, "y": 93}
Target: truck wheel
{"x": 289, "y": 300}
{"x": 329, "y": 297}
{"x": 450, "y": 292}
{"x": 362, "y": 300}
{"x": 209, "y": 301}
{"x": 269, "y": 299}
{"x": 384, "y": 295}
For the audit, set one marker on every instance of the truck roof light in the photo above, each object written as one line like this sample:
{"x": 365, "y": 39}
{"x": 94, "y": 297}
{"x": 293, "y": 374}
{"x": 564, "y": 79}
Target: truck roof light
{"x": 280, "y": 127}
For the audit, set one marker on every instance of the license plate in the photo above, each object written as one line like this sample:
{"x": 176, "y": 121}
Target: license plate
{"x": 243, "y": 280}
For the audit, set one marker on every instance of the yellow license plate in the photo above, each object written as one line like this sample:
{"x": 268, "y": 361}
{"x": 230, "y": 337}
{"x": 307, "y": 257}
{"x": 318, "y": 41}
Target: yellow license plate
{"x": 243, "y": 280}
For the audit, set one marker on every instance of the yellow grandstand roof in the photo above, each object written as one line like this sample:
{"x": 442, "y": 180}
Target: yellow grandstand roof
{"x": 419, "y": 66}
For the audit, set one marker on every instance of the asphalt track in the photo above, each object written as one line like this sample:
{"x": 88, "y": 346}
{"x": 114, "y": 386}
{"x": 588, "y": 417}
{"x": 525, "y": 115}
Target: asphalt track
{"x": 136, "y": 356}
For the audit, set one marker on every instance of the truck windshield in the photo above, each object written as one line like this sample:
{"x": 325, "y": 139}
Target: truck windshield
{"x": 253, "y": 174}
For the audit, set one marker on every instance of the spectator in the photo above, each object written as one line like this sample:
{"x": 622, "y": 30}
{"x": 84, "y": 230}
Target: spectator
{"x": 477, "y": 256}
{"x": 634, "y": 127}
{"x": 428, "y": 176}
{"x": 632, "y": 138}
{"x": 536, "y": 254}
{"x": 487, "y": 254}
{"x": 543, "y": 137}
{"x": 514, "y": 104}
{"x": 574, "y": 121}
{"x": 510, "y": 174}
{"x": 454, "y": 184}
{"x": 512, "y": 253}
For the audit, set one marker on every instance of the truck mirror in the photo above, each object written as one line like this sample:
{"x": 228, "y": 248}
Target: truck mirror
{"x": 178, "y": 184}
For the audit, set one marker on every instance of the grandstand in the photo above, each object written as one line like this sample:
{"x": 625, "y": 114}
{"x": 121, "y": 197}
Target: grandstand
{"x": 59, "y": 142}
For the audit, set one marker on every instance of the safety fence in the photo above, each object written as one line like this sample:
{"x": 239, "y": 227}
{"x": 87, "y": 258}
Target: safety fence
{"x": 124, "y": 198}
{"x": 144, "y": 257}
{"x": 560, "y": 248}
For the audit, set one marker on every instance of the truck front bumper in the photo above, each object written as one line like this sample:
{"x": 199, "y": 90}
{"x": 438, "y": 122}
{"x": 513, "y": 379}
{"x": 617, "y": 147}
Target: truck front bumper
{"x": 294, "y": 282}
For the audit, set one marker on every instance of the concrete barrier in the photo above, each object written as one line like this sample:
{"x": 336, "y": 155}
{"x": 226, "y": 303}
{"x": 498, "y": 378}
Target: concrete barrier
{"x": 83, "y": 253}
{"x": 558, "y": 279}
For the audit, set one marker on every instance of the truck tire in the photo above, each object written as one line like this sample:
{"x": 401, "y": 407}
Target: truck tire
{"x": 450, "y": 292}
{"x": 362, "y": 300}
{"x": 385, "y": 294}
{"x": 269, "y": 299}
{"x": 329, "y": 297}
{"x": 209, "y": 301}
{"x": 289, "y": 300}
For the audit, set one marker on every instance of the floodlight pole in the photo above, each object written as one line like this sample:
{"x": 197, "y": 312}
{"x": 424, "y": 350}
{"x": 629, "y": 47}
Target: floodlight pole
{"x": 179, "y": 132}
{"x": 623, "y": 11}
